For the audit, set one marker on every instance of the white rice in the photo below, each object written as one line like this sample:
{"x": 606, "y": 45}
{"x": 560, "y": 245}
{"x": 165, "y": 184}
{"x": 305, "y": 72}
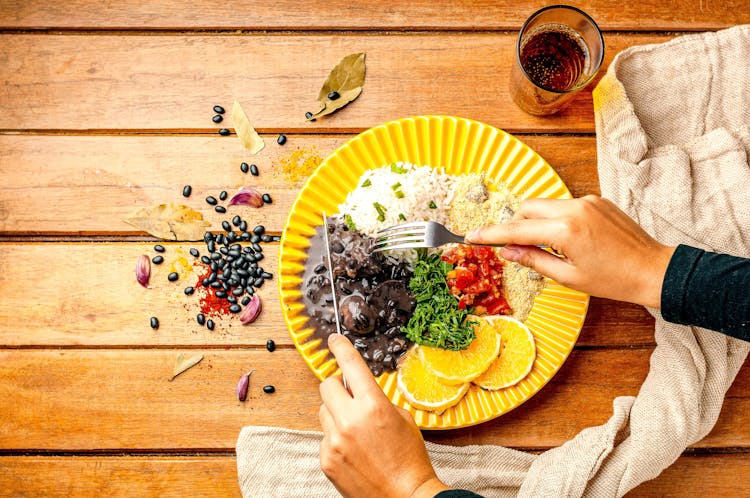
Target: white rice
{"x": 420, "y": 186}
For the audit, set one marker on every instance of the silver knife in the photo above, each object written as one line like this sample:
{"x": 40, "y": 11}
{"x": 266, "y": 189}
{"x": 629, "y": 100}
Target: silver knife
{"x": 330, "y": 273}
{"x": 333, "y": 285}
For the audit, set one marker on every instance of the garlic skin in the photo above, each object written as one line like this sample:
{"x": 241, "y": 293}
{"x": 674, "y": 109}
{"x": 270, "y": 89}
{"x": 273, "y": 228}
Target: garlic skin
{"x": 143, "y": 270}
{"x": 251, "y": 311}
{"x": 242, "y": 386}
{"x": 247, "y": 196}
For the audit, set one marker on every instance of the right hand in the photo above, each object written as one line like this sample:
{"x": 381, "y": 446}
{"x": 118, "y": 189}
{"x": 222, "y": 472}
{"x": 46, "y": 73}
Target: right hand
{"x": 605, "y": 253}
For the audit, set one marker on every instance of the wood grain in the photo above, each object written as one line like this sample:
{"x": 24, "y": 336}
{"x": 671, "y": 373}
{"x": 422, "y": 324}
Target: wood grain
{"x": 120, "y": 83}
{"x": 88, "y": 296}
{"x": 357, "y": 14}
{"x": 211, "y": 476}
{"x": 167, "y": 476}
{"x": 79, "y": 400}
{"x": 87, "y": 185}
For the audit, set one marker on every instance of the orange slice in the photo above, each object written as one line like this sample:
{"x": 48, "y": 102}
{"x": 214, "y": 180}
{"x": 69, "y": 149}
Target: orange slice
{"x": 457, "y": 367}
{"x": 422, "y": 389}
{"x": 516, "y": 358}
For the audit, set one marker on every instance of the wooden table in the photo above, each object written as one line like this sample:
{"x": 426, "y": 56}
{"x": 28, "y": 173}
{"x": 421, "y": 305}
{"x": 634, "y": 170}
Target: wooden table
{"x": 106, "y": 107}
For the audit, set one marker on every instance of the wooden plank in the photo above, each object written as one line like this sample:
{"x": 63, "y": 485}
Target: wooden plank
{"x": 171, "y": 82}
{"x": 167, "y": 476}
{"x": 161, "y": 476}
{"x": 97, "y": 181}
{"x": 85, "y": 294}
{"x": 357, "y": 14}
{"x": 108, "y": 399}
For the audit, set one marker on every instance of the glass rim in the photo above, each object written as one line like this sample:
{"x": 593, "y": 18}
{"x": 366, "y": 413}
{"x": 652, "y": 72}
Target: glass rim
{"x": 589, "y": 19}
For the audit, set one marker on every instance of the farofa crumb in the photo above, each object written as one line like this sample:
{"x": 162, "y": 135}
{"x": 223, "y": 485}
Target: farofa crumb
{"x": 474, "y": 205}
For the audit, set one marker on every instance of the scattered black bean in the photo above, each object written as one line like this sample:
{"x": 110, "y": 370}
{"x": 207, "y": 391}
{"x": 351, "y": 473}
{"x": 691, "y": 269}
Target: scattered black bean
{"x": 220, "y": 239}
{"x": 236, "y": 220}
{"x": 242, "y": 226}
{"x": 218, "y": 118}
{"x": 231, "y": 237}
{"x": 226, "y": 226}
{"x": 235, "y": 308}
{"x": 207, "y": 237}
{"x": 211, "y": 246}
{"x": 189, "y": 290}
{"x": 194, "y": 252}
{"x": 269, "y": 389}
{"x": 216, "y": 285}
{"x": 258, "y": 272}
{"x": 309, "y": 115}
{"x": 232, "y": 299}
{"x": 223, "y": 195}
{"x": 157, "y": 260}
{"x": 172, "y": 277}
{"x": 257, "y": 248}
{"x": 259, "y": 230}
{"x": 276, "y": 238}
{"x": 258, "y": 256}
{"x": 270, "y": 345}
{"x": 215, "y": 256}
{"x": 220, "y": 209}
{"x": 211, "y": 200}
{"x": 245, "y": 300}
{"x": 244, "y": 167}
{"x": 250, "y": 291}
{"x": 210, "y": 324}
{"x": 255, "y": 238}
{"x": 159, "y": 248}
{"x": 154, "y": 322}
{"x": 187, "y": 190}
{"x": 254, "y": 170}
{"x": 224, "y": 132}
{"x": 266, "y": 238}
{"x": 218, "y": 109}
{"x": 258, "y": 282}
{"x": 281, "y": 140}
{"x": 221, "y": 294}
{"x": 333, "y": 95}
{"x": 266, "y": 198}
{"x": 266, "y": 275}
{"x": 201, "y": 319}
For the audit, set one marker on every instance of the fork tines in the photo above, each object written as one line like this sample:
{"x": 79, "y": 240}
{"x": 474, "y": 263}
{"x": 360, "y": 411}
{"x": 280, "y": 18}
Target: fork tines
{"x": 404, "y": 236}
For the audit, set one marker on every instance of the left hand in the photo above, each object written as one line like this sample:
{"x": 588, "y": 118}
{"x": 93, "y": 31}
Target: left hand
{"x": 370, "y": 447}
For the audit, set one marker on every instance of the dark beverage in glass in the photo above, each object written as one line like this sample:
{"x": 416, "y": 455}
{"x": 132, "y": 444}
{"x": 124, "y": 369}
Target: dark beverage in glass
{"x": 559, "y": 51}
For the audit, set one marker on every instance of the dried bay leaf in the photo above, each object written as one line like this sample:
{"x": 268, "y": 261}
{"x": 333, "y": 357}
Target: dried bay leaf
{"x": 249, "y": 137}
{"x": 185, "y": 363}
{"x": 347, "y": 79}
{"x": 170, "y": 222}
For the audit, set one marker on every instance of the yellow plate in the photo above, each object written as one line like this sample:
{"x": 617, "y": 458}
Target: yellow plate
{"x": 460, "y": 146}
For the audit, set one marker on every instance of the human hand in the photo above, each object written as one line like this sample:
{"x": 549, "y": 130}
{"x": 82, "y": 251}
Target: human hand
{"x": 370, "y": 447}
{"x": 606, "y": 253}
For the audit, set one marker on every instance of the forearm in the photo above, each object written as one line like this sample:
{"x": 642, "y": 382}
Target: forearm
{"x": 708, "y": 290}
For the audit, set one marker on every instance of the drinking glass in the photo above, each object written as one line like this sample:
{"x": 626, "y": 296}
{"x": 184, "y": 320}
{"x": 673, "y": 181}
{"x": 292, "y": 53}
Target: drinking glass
{"x": 559, "y": 51}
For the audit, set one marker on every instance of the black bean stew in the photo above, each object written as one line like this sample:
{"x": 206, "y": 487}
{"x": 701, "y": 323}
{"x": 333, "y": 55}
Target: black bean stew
{"x": 373, "y": 299}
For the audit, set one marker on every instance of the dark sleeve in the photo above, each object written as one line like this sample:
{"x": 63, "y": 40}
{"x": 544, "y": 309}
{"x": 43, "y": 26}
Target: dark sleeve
{"x": 708, "y": 290}
{"x": 457, "y": 493}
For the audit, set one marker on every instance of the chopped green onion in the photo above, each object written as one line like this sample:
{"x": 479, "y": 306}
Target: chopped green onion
{"x": 399, "y": 194}
{"x": 401, "y": 217}
{"x": 396, "y": 186}
{"x": 398, "y": 169}
{"x": 349, "y": 222}
{"x": 366, "y": 183}
{"x": 380, "y": 209}
{"x": 433, "y": 205}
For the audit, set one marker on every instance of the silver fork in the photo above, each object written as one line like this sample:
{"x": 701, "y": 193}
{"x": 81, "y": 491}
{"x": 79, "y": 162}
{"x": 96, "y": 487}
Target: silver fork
{"x": 419, "y": 234}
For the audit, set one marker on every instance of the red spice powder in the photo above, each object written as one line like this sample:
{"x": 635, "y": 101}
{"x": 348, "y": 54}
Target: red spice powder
{"x": 210, "y": 304}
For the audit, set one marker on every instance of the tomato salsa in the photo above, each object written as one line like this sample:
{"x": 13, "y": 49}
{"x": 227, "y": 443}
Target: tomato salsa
{"x": 477, "y": 279}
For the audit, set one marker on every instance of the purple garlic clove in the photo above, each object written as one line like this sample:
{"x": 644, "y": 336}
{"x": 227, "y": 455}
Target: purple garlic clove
{"x": 143, "y": 270}
{"x": 247, "y": 196}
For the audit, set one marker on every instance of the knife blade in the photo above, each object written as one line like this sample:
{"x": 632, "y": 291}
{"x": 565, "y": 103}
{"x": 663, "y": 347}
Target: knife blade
{"x": 333, "y": 285}
{"x": 330, "y": 273}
